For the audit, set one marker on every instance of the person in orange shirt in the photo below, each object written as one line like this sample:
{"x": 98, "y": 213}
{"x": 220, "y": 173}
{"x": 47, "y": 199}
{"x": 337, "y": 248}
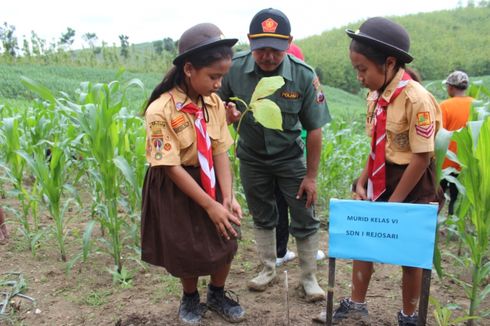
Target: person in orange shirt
{"x": 455, "y": 113}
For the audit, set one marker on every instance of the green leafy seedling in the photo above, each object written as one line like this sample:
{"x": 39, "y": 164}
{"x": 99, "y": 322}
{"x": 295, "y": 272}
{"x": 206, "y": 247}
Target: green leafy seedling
{"x": 265, "y": 111}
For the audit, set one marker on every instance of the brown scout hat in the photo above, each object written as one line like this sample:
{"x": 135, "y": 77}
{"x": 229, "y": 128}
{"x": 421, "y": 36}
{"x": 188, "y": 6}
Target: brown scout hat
{"x": 200, "y": 37}
{"x": 385, "y": 35}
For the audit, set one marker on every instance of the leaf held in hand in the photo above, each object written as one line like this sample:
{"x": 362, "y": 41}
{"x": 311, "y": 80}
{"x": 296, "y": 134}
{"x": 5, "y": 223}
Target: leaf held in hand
{"x": 267, "y": 113}
{"x": 266, "y": 86}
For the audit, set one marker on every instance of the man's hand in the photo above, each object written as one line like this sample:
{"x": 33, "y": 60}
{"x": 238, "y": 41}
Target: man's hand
{"x": 308, "y": 186}
{"x": 232, "y": 114}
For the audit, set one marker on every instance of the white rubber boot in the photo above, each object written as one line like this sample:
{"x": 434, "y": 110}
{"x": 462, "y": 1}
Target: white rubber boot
{"x": 307, "y": 249}
{"x": 266, "y": 248}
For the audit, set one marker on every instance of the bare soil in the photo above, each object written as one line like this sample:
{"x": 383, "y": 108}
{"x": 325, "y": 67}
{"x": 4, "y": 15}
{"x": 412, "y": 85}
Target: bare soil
{"x": 87, "y": 295}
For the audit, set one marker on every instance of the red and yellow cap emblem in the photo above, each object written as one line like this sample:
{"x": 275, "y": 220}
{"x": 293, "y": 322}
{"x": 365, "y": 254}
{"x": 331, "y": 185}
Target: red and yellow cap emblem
{"x": 269, "y": 25}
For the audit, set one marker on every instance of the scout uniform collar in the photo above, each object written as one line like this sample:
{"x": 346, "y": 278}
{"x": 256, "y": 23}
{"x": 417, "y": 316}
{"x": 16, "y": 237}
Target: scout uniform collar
{"x": 390, "y": 89}
{"x": 181, "y": 99}
{"x": 283, "y": 70}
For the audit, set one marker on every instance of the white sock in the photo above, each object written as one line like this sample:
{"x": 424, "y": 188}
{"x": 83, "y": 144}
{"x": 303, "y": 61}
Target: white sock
{"x": 403, "y": 314}
{"x": 357, "y": 303}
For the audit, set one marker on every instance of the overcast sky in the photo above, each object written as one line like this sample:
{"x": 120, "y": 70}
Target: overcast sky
{"x": 149, "y": 20}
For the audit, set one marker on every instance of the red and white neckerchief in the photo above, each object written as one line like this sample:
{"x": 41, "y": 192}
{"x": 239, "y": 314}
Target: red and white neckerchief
{"x": 376, "y": 164}
{"x": 204, "y": 150}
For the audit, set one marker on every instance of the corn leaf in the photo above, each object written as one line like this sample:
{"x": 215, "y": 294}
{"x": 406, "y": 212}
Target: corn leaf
{"x": 482, "y": 154}
{"x": 38, "y": 88}
{"x": 443, "y": 138}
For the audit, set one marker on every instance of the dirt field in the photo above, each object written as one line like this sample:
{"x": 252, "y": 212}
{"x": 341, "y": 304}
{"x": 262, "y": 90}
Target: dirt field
{"x": 87, "y": 295}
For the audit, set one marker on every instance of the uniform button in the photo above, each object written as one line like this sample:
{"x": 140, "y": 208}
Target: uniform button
{"x": 388, "y": 93}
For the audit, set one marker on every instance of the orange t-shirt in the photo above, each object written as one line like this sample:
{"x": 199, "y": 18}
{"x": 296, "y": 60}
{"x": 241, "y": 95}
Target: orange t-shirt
{"x": 455, "y": 114}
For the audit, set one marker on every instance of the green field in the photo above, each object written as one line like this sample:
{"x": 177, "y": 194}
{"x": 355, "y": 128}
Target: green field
{"x": 89, "y": 190}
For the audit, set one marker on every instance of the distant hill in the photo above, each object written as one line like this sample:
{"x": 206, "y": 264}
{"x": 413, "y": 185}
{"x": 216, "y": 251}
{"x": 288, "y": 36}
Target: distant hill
{"x": 441, "y": 41}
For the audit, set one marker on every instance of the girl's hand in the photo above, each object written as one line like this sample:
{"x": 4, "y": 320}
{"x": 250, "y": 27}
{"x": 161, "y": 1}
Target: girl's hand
{"x": 232, "y": 114}
{"x": 222, "y": 219}
{"x": 360, "y": 193}
{"x": 233, "y": 206}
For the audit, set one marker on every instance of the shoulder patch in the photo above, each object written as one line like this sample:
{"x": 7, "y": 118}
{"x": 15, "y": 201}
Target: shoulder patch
{"x": 423, "y": 119}
{"x": 424, "y": 126}
{"x": 320, "y": 96}
{"x": 426, "y": 131}
{"x": 316, "y": 83}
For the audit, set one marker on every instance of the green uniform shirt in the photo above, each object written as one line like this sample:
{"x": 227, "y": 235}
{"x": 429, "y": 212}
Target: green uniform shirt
{"x": 301, "y": 100}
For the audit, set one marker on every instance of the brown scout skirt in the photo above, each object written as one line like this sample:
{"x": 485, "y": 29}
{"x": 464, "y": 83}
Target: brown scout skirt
{"x": 425, "y": 191}
{"x": 177, "y": 233}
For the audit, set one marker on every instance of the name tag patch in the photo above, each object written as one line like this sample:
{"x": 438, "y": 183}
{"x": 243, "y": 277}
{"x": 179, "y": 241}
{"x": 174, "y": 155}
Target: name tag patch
{"x": 290, "y": 95}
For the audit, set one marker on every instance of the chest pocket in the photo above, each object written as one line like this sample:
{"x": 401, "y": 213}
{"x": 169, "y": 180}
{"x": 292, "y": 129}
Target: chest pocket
{"x": 184, "y": 128}
{"x": 398, "y": 135}
{"x": 188, "y": 135}
{"x": 213, "y": 131}
{"x": 290, "y": 112}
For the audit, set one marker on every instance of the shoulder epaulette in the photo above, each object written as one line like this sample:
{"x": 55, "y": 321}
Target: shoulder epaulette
{"x": 241, "y": 54}
{"x": 300, "y": 62}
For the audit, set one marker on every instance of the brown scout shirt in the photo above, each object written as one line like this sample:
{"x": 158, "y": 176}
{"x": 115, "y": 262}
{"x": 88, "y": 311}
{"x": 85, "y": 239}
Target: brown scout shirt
{"x": 170, "y": 134}
{"x": 412, "y": 121}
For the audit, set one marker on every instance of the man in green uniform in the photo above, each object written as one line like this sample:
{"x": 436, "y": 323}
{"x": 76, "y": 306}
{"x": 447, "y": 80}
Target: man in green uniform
{"x": 269, "y": 157}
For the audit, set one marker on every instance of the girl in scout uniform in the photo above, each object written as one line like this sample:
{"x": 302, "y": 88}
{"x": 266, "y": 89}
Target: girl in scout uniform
{"x": 402, "y": 120}
{"x": 188, "y": 205}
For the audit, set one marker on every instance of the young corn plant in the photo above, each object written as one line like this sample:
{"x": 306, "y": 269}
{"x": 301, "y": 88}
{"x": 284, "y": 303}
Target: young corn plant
{"x": 51, "y": 174}
{"x": 131, "y": 165}
{"x": 443, "y": 315}
{"x": 472, "y": 221}
{"x": 14, "y": 169}
{"x": 38, "y": 125}
{"x": 97, "y": 116}
{"x": 474, "y": 157}
{"x": 343, "y": 155}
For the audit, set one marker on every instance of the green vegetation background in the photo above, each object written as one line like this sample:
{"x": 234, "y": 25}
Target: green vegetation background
{"x": 441, "y": 41}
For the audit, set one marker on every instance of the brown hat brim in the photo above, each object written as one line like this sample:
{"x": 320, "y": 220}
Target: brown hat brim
{"x": 210, "y": 43}
{"x": 383, "y": 46}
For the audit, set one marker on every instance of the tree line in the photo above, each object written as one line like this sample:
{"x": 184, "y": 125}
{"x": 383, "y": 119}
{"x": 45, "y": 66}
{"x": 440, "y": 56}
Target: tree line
{"x": 34, "y": 49}
{"x": 441, "y": 42}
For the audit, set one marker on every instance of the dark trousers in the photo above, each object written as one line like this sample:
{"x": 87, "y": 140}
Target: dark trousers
{"x": 453, "y": 192}
{"x": 260, "y": 181}
{"x": 282, "y": 228}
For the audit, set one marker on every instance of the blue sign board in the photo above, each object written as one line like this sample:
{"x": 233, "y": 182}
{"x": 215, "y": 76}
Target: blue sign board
{"x": 391, "y": 233}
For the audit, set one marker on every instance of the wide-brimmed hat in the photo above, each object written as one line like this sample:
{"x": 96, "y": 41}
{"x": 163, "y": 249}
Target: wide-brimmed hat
{"x": 458, "y": 79}
{"x": 200, "y": 37}
{"x": 269, "y": 28}
{"x": 385, "y": 35}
